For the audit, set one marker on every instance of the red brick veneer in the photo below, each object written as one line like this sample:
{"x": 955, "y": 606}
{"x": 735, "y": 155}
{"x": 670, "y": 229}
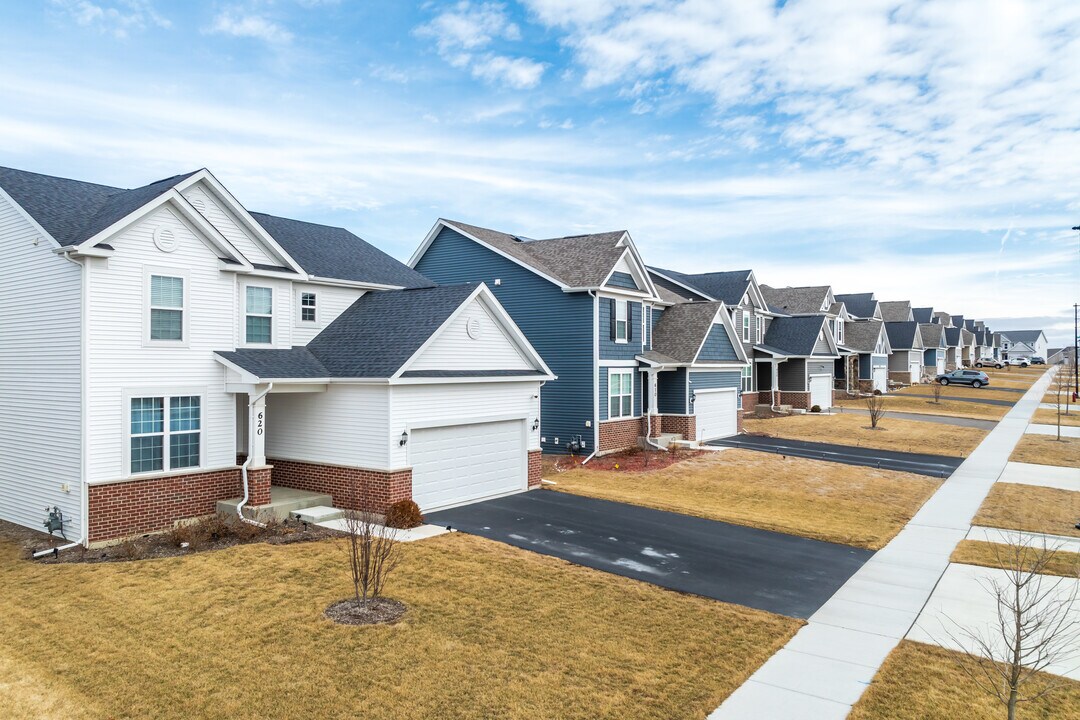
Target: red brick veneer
{"x": 619, "y": 434}
{"x": 685, "y": 425}
{"x": 749, "y": 402}
{"x": 656, "y": 424}
{"x": 259, "y": 485}
{"x": 140, "y": 506}
{"x": 900, "y": 376}
{"x": 535, "y": 468}
{"x": 351, "y": 488}
{"x": 795, "y": 399}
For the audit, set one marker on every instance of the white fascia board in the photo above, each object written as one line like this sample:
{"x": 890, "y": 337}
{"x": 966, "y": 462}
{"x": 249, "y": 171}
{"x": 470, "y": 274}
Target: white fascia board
{"x": 240, "y": 212}
{"x": 433, "y": 380}
{"x": 356, "y": 284}
{"x": 188, "y": 214}
{"x": 640, "y": 264}
{"x": 245, "y": 375}
{"x": 606, "y": 291}
{"x": 29, "y": 218}
{"x": 754, "y": 289}
{"x": 441, "y": 223}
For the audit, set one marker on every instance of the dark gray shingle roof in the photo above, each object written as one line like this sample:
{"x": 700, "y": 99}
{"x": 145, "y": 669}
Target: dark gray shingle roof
{"x": 901, "y": 334}
{"x": 796, "y": 300}
{"x": 683, "y": 328}
{"x": 923, "y": 314}
{"x": 860, "y": 305}
{"x": 728, "y": 287}
{"x": 73, "y": 211}
{"x": 952, "y": 336}
{"x": 931, "y": 334}
{"x": 576, "y": 260}
{"x": 1024, "y": 336}
{"x": 862, "y": 335}
{"x": 793, "y": 335}
{"x": 333, "y": 252}
{"x": 373, "y": 338}
{"x": 895, "y": 311}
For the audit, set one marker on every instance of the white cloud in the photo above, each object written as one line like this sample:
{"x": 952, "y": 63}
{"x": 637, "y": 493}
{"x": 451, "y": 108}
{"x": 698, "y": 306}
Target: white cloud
{"x": 118, "y": 19}
{"x": 464, "y": 31}
{"x": 237, "y": 24}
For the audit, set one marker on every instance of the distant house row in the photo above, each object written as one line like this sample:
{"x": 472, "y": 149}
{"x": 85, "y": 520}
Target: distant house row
{"x": 164, "y": 349}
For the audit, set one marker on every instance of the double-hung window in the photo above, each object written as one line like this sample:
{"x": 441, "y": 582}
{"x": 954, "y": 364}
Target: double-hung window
{"x": 620, "y": 321}
{"x": 759, "y": 330}
{"x": 165, "y": 433}
{"x": 839, "y": 331}
{"x": 259, "y": 306}
{"x": 745, "y": 326}
{"x": 166, "y": 308}
{"x": 307, "y": 307}
{"x": 748, "y": 379}
{"x": 620, "y": 394}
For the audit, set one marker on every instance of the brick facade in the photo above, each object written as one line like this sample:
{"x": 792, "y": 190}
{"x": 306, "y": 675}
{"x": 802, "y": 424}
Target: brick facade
{"x": 141, "y": 506}
{"x": 655, "y": 426}
{"x": 351, "y": 488}
{"x": 259, "y": 485}
{"x": 749, "y": 402}
{"x": 795, "y": 399}
{"x": 535, "y": 468}
{"x": 619, "y": 434}
{"x": 685, "y": 425}
{"x": 900, "y": 376}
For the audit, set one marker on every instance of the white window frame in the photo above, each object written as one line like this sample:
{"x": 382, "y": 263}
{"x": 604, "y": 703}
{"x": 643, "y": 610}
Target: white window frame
{"x": 745, "y": 326}
{"x": 314, "y": 307}
{"x": 626, "y": 373}
{"x": 747, "y": 379}
{"x": 245, "y": 314}
{"x": 167, "y": 395}
{"x": 839, "y": 330}
{"x": 624, "y": 306}
{"x": 646, "y": 311}
{"x": 182, "y": 275}
{"x": 759, "y": 330}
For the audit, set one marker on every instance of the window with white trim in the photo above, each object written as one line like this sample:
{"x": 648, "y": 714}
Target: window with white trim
{"x": 259, "y": 315}
{"x": 748, "y": 379}
{"x": 165, "y": 433}
{"x": 620, "y": 394}
{"x": 839, "y": 330}
{"x": 620, "y": 321}
{"x": 645, "y": 312}
{"x": 166, "y": 308}
{"x": 759, "y": 330}
{"x": 745, "y": 326}
{"x": 307, "y": 307}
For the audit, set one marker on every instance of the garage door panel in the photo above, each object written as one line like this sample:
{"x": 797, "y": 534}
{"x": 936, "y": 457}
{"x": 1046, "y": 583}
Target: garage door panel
{"x": 821, "y": 391}
{"x": 881, "y": 379}
{"x": 716, "y": 414}
{"x": 916, "y": 371}
{"x": 463, "y": 463}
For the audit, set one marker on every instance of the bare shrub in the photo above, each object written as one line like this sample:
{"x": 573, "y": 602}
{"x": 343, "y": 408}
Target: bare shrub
{"x": 938, "y": 390}
{"x": 373, "y": 554}
{"x": 875, "y": 404}
{"x": 1033, "y": 630}
{"x": 404, "y": 514}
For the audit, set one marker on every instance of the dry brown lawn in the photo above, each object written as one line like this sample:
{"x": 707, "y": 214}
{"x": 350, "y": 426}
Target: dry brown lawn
{"x": 1050, "y": 417}
{"x": 1047, "y": 450}
{"x": 892, "y": 434}
{"x": 820, "y": 500}
{"x": 925, "y": 682}
{"x": 957, "y": 391}
{"x": 996, "y": 555}
{"x": 491, "y": 631}
{"x": 1030, "y": 508}
{"x": 899, "y": 403}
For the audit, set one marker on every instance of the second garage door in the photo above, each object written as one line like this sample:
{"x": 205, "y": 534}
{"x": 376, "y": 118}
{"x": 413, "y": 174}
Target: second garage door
{"x": 458, "y": 464}
{"x": 916, "y": 371}
{"x": 821, "y": 391}
{"x": 716, "y": 414}
{"x": 881, "y": 379}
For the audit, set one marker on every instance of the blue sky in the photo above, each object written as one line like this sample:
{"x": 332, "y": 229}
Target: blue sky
{"x": 927, "y": 151}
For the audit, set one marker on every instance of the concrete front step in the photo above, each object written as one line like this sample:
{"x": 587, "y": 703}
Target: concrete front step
{"x": 283, "y": 503}
{"x": 665, "y": 439}
{"x": 318, "y": 514}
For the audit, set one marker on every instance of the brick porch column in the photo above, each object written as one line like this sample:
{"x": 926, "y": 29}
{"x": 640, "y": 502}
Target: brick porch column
{"x": 259, "y": 485}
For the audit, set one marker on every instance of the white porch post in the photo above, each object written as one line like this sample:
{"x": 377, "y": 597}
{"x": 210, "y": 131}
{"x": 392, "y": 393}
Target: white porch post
{"x": 653, "y": 410}
{"x": 257, "y": 432}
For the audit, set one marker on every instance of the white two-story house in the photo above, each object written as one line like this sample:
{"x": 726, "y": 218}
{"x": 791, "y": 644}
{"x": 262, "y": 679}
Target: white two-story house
{"x": 162, "y": 349}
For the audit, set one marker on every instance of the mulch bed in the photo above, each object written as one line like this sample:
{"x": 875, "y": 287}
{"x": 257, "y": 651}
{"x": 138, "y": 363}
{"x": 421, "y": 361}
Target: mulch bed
{"x": 216, "y": 533}
{"x": 629, "y": 461}
{"x": 378, "y": 611}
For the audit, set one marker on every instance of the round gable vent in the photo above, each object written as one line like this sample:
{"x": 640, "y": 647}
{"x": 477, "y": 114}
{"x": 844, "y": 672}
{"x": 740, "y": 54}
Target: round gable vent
{"x": 198, "y": 204}
{"x": 165, "y": 239}
{"x": 473, "y": 328}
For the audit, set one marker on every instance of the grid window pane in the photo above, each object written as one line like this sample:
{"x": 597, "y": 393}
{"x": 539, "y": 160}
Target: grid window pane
{"x": 166, "y": 324}
{"x": 258, "y": 329}
{"x": 184, "y": 413}
{"x": 613, "y": 407}
{"x": 166, "y": 292}
{"x": 307, "y": 314}
{"x": 260, "y": 300}
{"x": 183, "y": 450}
{"x": 627, "y": 410}
{"x": 614, "y": 390}
{"x": 147, "y": 415}
{"x": 146, "y": 455}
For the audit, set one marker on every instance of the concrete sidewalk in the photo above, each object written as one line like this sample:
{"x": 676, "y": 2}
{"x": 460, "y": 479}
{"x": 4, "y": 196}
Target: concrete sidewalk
{"x": 826, "y": 667}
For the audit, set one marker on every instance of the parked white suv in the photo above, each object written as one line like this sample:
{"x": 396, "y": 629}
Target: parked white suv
{"x": 989, "y": 362}
{"x": 1018, "y": 362}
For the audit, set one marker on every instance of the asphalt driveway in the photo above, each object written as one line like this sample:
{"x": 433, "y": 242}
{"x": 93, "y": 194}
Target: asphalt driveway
{"x": 770, "y": 571}
{"x": 938, "y": 466}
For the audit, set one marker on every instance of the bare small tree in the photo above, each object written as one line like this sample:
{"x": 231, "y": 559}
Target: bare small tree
{"x": 876, "y": 405}
{"x": 1061, "y": 395}
{"x": 373, "y": 554}
{"x": 938, "y": 390}
{"x": 1035, "y": 627}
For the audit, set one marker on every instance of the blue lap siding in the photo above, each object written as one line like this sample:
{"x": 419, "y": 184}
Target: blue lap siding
{"x": 559, "y": 325}
{"x": 671, "y": 391}
{"x": 713, "y": 380}
{"x": 611, "y": 350}
{"x": 622, "y": 280}
{"x": 717, "y": 347}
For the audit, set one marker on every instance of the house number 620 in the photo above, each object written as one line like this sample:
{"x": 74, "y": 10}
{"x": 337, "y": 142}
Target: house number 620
{"x": 259, "y": 424}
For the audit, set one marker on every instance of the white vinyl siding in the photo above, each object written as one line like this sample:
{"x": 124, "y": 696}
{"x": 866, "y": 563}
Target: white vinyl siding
{"x": 229, "y": 226}
{"x": 40, "y": 379}
{"x": 330, "y": 302}
{"x": 346, "y": 425}
{"x": 486, "y": 348}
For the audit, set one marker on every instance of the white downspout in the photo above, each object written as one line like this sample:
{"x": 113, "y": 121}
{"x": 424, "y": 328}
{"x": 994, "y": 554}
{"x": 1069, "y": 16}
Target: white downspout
{"x": 596, "y": 376}
{"x": 247, "y": 460}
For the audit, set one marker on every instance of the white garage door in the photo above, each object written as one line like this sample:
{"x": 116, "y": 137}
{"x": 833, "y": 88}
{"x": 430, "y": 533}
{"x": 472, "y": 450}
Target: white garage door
{"x": 881, "y": 379}
{"x": 716, "y": 413}
{"x": 916, "y": 371}
{"x": 463, "y": 463}
{"x": 940, "y": 364}
{"x": 821, "y": 391}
